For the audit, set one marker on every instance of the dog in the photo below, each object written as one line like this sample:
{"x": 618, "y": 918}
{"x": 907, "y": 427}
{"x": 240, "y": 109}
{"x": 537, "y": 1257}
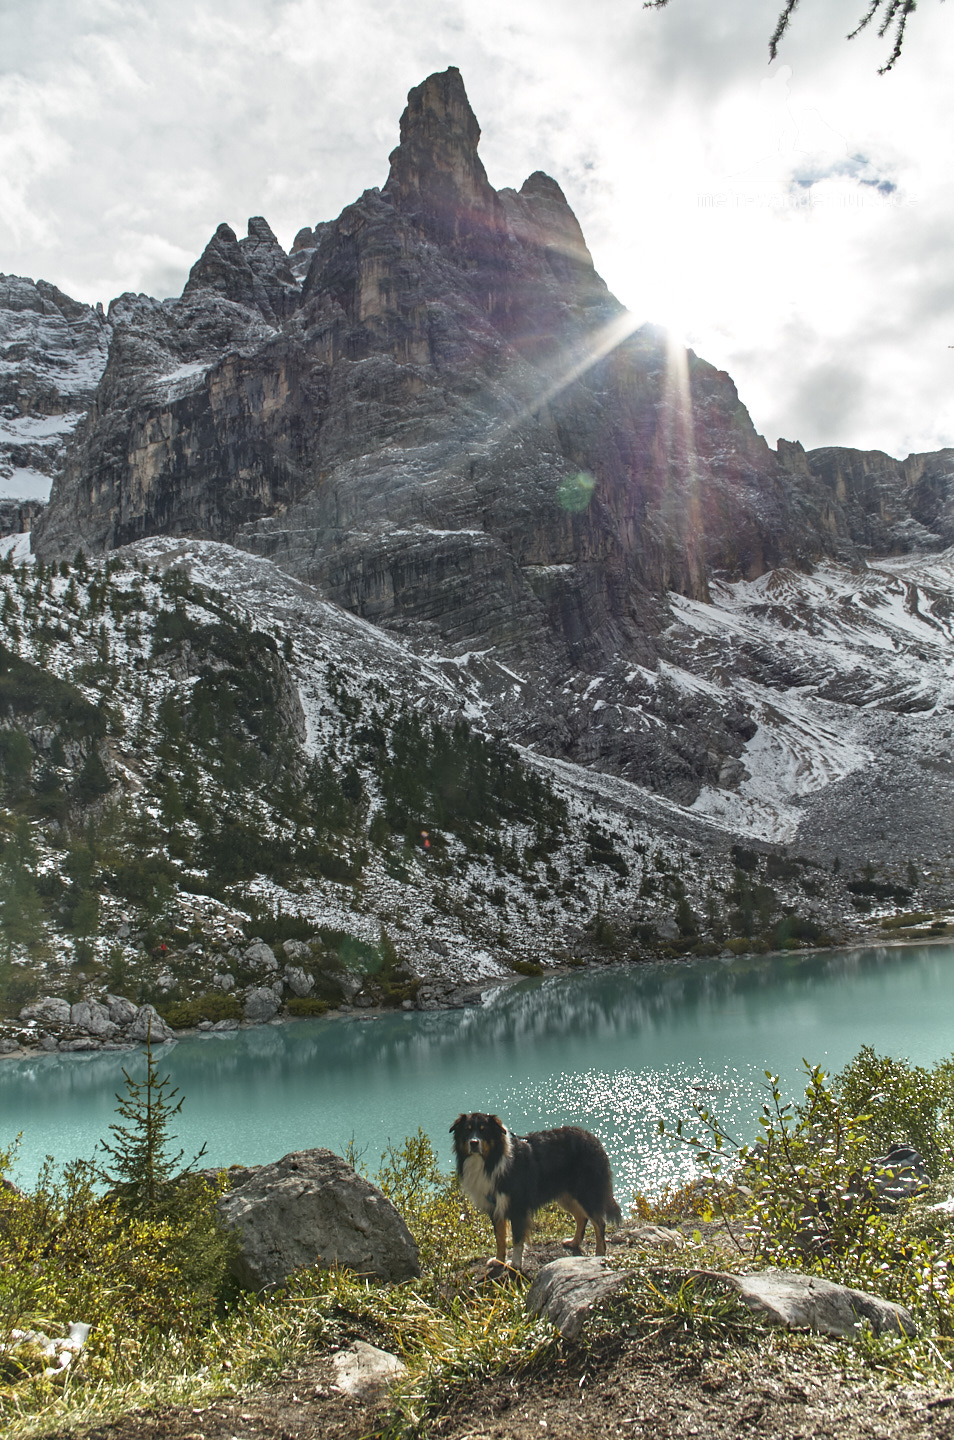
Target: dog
{"x": 510, "y": 1177}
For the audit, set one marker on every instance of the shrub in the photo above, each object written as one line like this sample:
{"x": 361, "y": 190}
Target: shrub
{"x": 306, "y": 1005}
{"x": 910, "y": 917}
{"x": 186, "y": 1014}
{"x": 526, "y": 967}
{"x": 800, "y": 1187}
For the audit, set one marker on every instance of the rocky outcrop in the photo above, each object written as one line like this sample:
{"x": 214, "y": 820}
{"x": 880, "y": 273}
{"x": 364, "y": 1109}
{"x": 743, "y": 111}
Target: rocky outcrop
{"x": 311, "y": 1208}
{"x": 565, "y": 1291}
{"x": 55, "y": 1024}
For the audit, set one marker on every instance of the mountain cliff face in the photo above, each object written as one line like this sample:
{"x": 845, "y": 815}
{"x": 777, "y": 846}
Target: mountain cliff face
{"x": 52, "y": 354}
{"x": 434, "y": 412}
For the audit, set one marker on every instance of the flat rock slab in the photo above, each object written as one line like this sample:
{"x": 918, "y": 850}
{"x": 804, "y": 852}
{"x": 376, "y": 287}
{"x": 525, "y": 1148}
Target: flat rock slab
{"x": 565, "y": 1291}
{"x": 364, "y": 1371}
{"x": 807, "y": 1302}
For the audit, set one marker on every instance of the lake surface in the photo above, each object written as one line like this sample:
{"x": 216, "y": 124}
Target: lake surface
{"x": 613, "y": 1050}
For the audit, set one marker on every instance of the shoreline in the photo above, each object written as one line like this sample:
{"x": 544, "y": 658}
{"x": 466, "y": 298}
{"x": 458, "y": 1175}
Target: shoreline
{"x": 341, "y": 1014}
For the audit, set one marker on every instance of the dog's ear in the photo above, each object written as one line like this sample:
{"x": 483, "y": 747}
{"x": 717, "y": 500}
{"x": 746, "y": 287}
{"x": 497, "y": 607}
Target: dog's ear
{"x": 459, "y": 1121}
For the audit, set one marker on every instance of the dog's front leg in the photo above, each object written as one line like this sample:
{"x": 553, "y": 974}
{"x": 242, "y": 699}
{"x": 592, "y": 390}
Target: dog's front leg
{"x": 500, "y": 1231}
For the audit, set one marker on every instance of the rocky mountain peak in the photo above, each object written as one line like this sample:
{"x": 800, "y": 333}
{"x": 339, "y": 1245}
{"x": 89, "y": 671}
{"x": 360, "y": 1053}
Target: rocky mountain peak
{"x": 253, "y": 272}
{"x": 436, "y": 173}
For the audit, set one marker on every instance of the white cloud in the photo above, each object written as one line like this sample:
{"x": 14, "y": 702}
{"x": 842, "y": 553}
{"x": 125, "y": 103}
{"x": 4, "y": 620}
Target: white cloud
{"x": 748, "y": 206}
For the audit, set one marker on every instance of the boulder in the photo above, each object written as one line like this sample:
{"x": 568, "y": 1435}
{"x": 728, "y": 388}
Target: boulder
{"x": 899, "y": 1175}
{"x": 94, "y": 1018}
{"x": 807, "y": 1302}
{"x": 260, "y": 956}
{"x": 149, "y": 1025}
{"x": 565, "y": 1291}
{"x": 224, "y": 981}
{"x": 121, "y": 1011}
{"x": 7, "y": 1045}
{"x": 261, "y": 1004}
{"x": 366, "y": 1372}
{"x": 311, "y": 1208}
{"x": 299, "y": 981}
{"x": 297, "y": 950}
{"x": 48, "y": 1009}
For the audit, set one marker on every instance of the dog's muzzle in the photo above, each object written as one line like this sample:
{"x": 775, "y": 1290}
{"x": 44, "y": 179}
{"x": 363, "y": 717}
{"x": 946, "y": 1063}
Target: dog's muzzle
{"x": 474, "y": 1144}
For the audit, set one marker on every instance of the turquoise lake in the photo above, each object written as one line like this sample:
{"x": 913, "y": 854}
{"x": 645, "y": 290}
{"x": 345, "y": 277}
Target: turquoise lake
{"x": 613, "y": 1050}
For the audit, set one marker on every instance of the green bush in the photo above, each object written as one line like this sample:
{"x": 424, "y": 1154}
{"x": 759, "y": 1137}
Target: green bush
{"x": 911, "y": 917}
{"x": 306, "y": 1005}
{"x": 801, "y": 1187}
{"x": 186, "y": 1014}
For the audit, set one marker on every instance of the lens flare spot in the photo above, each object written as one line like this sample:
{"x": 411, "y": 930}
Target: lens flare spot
{"x": 576, "y": 491}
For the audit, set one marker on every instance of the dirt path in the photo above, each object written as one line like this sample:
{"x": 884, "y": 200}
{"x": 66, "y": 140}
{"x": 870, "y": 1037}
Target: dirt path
{"x": 660, "y": 1389}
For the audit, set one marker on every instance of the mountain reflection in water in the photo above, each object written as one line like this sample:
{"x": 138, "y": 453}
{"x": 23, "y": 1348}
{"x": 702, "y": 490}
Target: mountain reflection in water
{"x": 613, "y": 1050}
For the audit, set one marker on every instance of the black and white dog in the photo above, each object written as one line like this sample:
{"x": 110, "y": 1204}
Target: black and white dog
{"x": 509, "y": 1177}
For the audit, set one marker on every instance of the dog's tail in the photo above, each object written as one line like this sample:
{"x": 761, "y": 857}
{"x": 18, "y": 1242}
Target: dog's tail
{"x": 612, "y": 1211}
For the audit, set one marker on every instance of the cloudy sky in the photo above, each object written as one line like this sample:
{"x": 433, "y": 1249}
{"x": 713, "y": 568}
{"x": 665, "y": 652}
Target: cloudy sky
{"x": 792, "y": 222}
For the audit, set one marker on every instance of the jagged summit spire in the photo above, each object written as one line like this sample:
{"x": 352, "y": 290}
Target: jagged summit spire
{"x": 436, "y": 169}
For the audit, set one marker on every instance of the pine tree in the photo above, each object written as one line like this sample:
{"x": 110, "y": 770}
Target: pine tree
{"x": 143, "y": 1173}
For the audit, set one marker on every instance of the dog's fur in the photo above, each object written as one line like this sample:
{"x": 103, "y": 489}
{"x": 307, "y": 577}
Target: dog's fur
{"x": 509, "y": 1177}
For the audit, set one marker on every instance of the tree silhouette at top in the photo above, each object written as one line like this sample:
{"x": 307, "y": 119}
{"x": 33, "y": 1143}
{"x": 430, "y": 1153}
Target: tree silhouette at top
{"x": 891, "y": 17}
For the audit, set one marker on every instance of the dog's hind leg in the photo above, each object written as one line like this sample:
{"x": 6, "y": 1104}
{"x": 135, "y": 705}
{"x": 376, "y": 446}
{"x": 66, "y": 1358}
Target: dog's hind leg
{"x": 599, "y": 1226}
{"x": 574, "y": 1208}
{"x": 520, "y": 1225}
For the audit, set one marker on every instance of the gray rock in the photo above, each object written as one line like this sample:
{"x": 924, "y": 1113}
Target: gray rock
{"x": 311, "y": 1208}
{"x": 297, "y": 950}
{"x": 299, "y": 981}
{"x": 166, "y": 980}
{"x": 49, "y": 1009}
{"x": 566, "y": 1290}
{"x": 260, "y": 1005}
{"x": 88, "y": 1043}
{"x": 121, "y": 1011}
{"x": 149, "y": 1025}
{"x": 649, "y": 1237}
{"x": 7, "y": 1045}
{"x": 899, "y": 1175}
{"x": 224, "y": 981}
{"x": 47, "y": 1042}
{"x": 261, "y": 956}
{"x": 94, "y": 1018}
{"x": 807, "y": 1302}
{"x": 366, "y": 1372}
{"x": 222, "y": 1025}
